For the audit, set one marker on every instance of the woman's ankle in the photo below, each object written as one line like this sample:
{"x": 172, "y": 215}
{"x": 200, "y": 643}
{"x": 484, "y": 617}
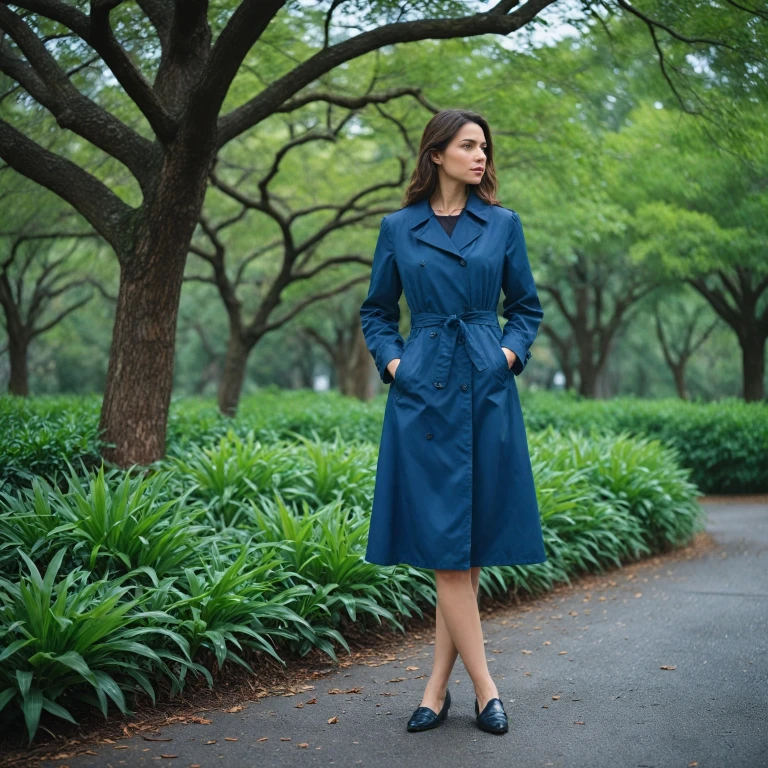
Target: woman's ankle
{"x": 485, "y": 693}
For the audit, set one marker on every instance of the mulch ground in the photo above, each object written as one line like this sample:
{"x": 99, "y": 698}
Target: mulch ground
{"x": 234, "y": 686}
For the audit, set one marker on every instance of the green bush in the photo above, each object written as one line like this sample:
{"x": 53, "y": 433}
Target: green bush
{"x": 724, "y": 444}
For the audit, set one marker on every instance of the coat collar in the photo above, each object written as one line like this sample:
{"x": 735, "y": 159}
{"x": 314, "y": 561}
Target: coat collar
{"x": 466, "y": 230}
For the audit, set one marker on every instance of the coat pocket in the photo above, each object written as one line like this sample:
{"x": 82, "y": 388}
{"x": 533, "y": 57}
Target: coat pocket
{"x": 504, "y": 365}
{"x": 408, "y": 352}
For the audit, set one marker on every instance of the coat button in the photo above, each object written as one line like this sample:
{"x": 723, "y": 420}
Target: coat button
{"x": 429, "y": 435}
{"x": 464, "y": 387}
{"x": 460, "y": 339}
{"x": 463, "y": 263}
{"x": 422, "y": 263}
{"x": 432, "y": 334}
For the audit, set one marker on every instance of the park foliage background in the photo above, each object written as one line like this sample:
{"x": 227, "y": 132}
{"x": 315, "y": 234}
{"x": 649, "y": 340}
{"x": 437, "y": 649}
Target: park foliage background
{"x": 189, "y": 208}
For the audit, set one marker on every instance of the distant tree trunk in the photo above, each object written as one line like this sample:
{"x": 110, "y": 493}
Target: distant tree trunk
{"x": 563, "y": 348}
{"x": 233, "y": 375}
{"x": 736, "y": 301}
{"x": 361, "y": 363}
{"x": 753, "y": 355}
{"x": 583, "y": 300}
{"x": 18, "y": 347}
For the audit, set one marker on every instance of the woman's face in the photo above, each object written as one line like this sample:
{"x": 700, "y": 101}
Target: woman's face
{"x": 464, "y": 158}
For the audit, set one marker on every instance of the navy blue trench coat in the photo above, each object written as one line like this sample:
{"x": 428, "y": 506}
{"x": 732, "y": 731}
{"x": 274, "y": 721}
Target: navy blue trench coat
{"x": 454, "y": 486}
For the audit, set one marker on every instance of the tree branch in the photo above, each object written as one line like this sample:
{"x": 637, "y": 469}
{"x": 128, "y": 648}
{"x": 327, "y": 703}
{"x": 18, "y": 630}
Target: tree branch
{"x": 95, "y": 31}
{"x": 311, "y": 300}
{"x": 59, "y": 317}
{"x": 104, "y": 210}
{"x": 52, "y": 88}
{"x": 356, "y": 102}
{"x": 330, "y": 263}
{"x": 244, "y": 28}
{"x": 268, "y": 100}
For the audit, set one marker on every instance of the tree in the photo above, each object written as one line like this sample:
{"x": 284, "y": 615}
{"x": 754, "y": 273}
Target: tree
{"x": 182, "y": 124}
{"x": 678, "y": 335}
{"x": 700, "y": 213}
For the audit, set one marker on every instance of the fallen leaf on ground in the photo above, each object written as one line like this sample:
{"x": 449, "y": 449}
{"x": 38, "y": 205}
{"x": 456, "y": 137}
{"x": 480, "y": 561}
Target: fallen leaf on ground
{"x": 333, "y": 719}
{"x": 151, "y": 738}
{"x": 236, "y": 708}
{"x": 524, "y": 651}
{"x": 410, "y": 669}
{"x": 354, "y": 690}
{"x": 303, "y": 745}
{"x": 212, "y": 741}
{"x": 667, "y": 666}
{"x": 263, "y": 738}
{"x": 230, "y": 738}
{"x": 168, "y": 756}
{"x": 285, "y": 738}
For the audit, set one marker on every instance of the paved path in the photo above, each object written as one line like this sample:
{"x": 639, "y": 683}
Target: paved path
{"x": 591, "y": 691}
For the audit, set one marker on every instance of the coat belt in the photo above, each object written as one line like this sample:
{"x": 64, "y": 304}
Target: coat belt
{"x": 450, "y": 329}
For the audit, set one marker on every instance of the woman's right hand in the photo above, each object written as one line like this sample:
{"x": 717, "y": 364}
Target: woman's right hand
{"x": 393, "y": 365}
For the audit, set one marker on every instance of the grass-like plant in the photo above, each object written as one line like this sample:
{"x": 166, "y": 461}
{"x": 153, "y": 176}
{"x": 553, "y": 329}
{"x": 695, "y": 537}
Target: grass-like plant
{"x": 69, "y": 639}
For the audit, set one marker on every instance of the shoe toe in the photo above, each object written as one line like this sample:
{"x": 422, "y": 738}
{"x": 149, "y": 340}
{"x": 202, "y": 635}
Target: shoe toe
{"x": 493, "y": 718}
{"x": 424, "y": 718}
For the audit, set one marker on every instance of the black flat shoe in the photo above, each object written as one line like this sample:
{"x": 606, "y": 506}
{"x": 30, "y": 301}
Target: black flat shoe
{"x": 493, "y": 718}
{"x": 424, "y": 718}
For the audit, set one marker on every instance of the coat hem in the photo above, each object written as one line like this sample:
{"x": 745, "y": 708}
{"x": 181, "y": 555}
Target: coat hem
{"x": 419, "y": 564}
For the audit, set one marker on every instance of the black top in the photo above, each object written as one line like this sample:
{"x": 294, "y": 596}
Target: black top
{"x": 448, "y": 222}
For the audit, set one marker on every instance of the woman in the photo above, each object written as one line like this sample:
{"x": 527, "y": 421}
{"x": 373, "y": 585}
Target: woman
{"x": 454, "y": 487}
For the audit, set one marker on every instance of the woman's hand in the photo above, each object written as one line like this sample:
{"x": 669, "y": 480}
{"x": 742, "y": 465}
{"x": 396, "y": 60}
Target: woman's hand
{"x": 511, "y": 356}
{"x": 392, "y": 366}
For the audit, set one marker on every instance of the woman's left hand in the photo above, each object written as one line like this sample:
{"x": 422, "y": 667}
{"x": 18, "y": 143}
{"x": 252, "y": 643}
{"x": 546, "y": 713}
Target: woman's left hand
{"x": 511, "y": 356}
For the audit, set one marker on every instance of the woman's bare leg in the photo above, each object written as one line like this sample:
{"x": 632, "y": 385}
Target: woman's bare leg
{"x": 445, "y": 648}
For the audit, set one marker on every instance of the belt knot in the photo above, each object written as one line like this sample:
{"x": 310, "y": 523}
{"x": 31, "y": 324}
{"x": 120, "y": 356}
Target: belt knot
{"x": 451, "y": 324}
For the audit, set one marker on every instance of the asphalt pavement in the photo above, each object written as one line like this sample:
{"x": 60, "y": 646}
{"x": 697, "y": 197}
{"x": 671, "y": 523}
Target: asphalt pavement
{"x": 661, "y": 664}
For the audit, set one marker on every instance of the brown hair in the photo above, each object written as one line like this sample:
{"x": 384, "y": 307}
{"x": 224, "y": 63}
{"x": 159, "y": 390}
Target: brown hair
{"x": 438, "y": 133}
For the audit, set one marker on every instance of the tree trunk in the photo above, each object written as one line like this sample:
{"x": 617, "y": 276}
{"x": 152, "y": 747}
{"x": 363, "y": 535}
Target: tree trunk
{"x": 19, "y": 379}
{"x": 137, "y": 396}
{"x": 233, "y": 375}
{"x": 678, "y": 371}
{"x": 753, "y": 365}
{"x": 359, "y": 368}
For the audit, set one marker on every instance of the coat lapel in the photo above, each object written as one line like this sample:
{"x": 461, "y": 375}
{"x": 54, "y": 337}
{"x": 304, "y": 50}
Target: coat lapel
{"x": 468, "y": 228}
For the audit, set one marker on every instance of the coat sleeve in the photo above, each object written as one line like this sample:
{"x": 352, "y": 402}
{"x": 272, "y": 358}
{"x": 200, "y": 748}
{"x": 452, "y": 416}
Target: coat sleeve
{"x": 522, "y": 308}
{"x": 380, "y": 312}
